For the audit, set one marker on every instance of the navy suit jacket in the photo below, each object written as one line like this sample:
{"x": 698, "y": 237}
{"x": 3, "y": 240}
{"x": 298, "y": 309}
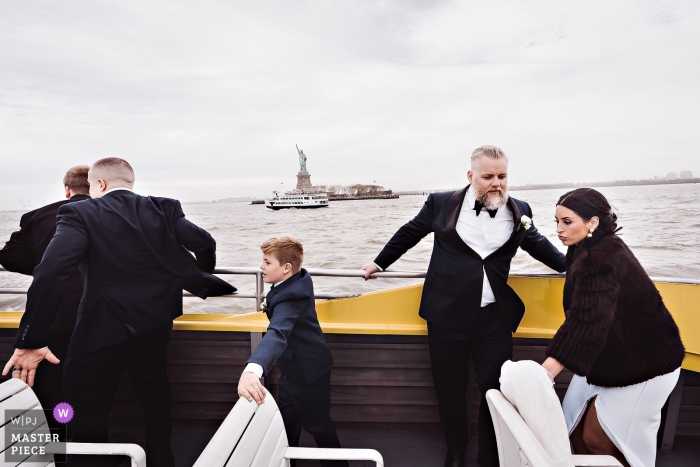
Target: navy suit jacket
{"x": 23, "y": 252}
{"x": 133, "y": 254}
{"x": 452, "y": 291}
{"x": 294, "y": 338}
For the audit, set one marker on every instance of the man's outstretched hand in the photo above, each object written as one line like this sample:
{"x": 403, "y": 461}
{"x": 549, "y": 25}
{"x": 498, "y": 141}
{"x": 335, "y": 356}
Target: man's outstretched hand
{"x": 370, "y": 269}
{"x": 28, "y": 360}
{"x": 249, "y": 386}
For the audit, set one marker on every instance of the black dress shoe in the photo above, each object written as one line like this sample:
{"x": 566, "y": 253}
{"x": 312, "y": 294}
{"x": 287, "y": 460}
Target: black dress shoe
{"x": 454, "y": 460}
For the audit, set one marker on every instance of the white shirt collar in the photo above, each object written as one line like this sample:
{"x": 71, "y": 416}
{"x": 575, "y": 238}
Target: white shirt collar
{"x": 278, "y": 283}
{"x": 117, "y": 188}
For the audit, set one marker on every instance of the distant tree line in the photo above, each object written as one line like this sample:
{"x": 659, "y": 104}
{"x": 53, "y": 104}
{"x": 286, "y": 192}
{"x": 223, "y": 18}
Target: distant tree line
{"x": 357, "y": 190}
{"x": 657, "y": 181}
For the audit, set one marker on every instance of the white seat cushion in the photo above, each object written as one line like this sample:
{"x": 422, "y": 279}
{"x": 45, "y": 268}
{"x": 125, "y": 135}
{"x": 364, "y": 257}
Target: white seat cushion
{"x": 526, "y": 385}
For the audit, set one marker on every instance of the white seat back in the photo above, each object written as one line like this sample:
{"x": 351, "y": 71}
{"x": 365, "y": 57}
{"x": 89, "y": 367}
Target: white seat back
{"x": 517, "y": 446}
{"x": 251, "y": 436}
{"x": 16, "y": 398}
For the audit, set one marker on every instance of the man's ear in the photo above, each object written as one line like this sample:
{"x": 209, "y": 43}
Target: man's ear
{"x": 68, "y": 193}
{"x": 469, "y": 176}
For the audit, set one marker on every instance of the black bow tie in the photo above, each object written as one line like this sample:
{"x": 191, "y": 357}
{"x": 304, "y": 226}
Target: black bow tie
{"x": 478, "y": 207}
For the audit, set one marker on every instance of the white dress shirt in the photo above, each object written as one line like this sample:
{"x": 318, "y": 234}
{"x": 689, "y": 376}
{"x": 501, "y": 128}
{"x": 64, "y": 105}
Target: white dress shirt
{"x": 254, "y": 368}
{"x": 117, "y": 188}
{"x": 483, "y": 234}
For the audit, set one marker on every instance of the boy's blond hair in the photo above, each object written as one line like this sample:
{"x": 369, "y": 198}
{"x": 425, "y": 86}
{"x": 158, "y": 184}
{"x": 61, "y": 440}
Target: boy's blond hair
{"x": 286, "y": 249}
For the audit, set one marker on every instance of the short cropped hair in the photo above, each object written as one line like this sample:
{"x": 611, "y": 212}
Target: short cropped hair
{"x": 487, "y": 150}
{"x": 77, "y": 179}
{"x": 120, "y": 168}
{"x": 286, "y": 250}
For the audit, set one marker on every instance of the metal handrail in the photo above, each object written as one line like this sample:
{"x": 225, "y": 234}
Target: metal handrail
{"x": 260, "y": 294}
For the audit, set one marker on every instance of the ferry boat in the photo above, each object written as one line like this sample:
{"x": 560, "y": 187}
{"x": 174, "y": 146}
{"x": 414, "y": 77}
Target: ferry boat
{"x": 298, "y": 201}
{"x": 381, "y": 385}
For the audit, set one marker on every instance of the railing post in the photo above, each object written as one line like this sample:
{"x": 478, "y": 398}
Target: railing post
{"x": 259, "y": 287}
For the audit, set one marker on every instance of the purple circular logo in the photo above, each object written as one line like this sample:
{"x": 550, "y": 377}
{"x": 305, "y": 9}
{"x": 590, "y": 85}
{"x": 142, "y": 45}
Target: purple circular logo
{"x": 63, "y": 412}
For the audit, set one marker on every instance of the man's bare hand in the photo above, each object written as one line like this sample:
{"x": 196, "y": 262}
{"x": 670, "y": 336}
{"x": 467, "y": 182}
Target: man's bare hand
{"x": 370, "y": 269}
{"x": 249, "y": 386}
{"x": 27, "y": 360}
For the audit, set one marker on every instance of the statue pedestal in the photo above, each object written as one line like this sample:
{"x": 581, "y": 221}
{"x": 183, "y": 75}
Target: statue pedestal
{"x": 304, "y": 182}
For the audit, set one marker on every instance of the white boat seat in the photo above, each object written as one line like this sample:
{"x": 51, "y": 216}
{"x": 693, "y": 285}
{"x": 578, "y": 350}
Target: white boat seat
{"x": 253, "y": 435}
{"x": 17, "y": 397}
{"x": 518, "y": 446}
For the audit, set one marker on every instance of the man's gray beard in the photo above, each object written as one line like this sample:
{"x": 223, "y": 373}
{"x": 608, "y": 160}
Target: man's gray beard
{"x": 493, "y": 202}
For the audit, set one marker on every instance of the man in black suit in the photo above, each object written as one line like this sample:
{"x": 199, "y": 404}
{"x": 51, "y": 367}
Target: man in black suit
{"x": 469, "y": 307}
{"x": 22, "y": 253}
{"x": 133, "y": 254}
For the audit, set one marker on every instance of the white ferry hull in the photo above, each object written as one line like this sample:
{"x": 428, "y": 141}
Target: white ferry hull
{"x": 297, "y": 202}
{"x": 301, "y": 206}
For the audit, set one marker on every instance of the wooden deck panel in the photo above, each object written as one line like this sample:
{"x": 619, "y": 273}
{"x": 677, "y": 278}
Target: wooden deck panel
{"x": 377, "y": 381}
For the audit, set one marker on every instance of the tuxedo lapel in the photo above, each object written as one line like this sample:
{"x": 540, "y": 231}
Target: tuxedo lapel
{"x": 517, "y": 214}
{"x": 453, "y": 210}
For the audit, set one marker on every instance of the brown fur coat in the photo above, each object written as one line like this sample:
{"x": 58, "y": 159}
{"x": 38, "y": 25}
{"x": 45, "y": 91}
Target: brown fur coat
{"x": 617, "y": 331}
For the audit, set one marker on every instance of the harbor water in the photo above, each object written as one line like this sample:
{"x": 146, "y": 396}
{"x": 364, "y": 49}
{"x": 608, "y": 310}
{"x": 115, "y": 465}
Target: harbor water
{"x": 661, "y": 224}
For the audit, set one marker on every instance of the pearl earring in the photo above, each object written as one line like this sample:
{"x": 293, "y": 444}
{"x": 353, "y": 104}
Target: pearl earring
{"x": 590, "y": 233}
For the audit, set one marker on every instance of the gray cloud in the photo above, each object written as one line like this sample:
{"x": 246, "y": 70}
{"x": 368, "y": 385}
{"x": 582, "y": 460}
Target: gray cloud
{"x": 207, "y": 99}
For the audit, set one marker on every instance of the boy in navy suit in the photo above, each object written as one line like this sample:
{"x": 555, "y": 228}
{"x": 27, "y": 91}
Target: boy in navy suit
{"x": 295, "y": 341}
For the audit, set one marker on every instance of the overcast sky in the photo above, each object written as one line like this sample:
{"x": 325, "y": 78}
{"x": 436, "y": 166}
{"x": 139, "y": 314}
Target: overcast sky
{"x": 206, "y": 99}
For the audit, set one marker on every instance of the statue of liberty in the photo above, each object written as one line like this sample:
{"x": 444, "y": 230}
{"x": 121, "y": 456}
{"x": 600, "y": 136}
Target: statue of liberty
{"x": 302, "y": 160}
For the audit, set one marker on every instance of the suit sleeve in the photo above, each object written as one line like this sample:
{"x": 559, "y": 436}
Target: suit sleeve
{"x": 275, "y": 341}
{"x": 581, "y": 338}
{"x": 16, "y": 256}
{"x": 195, "y": 239}
{"x": 407, "y": 236}
{"x": 52, "y": 278}
{"x": 542, "y": 249}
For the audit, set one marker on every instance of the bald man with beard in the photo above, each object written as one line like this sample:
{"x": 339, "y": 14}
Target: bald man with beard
{"x": 133, "y": 252}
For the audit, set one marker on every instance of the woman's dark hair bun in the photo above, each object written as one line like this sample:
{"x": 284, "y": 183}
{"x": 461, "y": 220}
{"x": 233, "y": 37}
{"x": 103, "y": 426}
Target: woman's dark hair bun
{"x": 589, "y": 203}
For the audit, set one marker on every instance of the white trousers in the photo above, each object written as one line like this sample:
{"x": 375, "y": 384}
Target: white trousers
{"x": 629, "y": 415}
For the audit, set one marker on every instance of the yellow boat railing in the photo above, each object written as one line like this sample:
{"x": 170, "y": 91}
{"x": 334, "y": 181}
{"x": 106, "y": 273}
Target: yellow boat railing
{"x": 395, "y": 311}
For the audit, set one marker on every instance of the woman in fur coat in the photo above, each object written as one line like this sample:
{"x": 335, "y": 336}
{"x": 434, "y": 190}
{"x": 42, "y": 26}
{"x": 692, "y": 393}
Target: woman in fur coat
{"x": 618, "y": 337}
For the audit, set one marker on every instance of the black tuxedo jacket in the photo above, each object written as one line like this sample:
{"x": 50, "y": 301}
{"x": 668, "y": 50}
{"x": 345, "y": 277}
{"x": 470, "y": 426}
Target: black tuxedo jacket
{"x": 23, "y": 252}
{"x": 294, "y": 338}
{"x": 453, "y": 285}
{"x": 134, "y": 258}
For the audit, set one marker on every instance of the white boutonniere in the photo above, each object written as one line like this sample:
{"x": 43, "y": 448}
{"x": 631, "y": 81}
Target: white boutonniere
{"x": 525, "y": 222}
{"x": 263, "y": 305}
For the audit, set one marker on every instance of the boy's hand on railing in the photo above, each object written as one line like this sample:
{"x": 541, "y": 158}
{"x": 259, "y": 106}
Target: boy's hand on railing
{"x": 370, "y": 269}
{"x": 249, "y": 386}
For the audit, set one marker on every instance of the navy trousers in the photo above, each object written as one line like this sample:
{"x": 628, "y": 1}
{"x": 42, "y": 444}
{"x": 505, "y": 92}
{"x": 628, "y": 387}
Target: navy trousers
{"x": 308, "y": 406}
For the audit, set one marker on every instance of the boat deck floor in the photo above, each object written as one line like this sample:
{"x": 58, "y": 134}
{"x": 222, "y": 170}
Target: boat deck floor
{"x": 398, "y": 447}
